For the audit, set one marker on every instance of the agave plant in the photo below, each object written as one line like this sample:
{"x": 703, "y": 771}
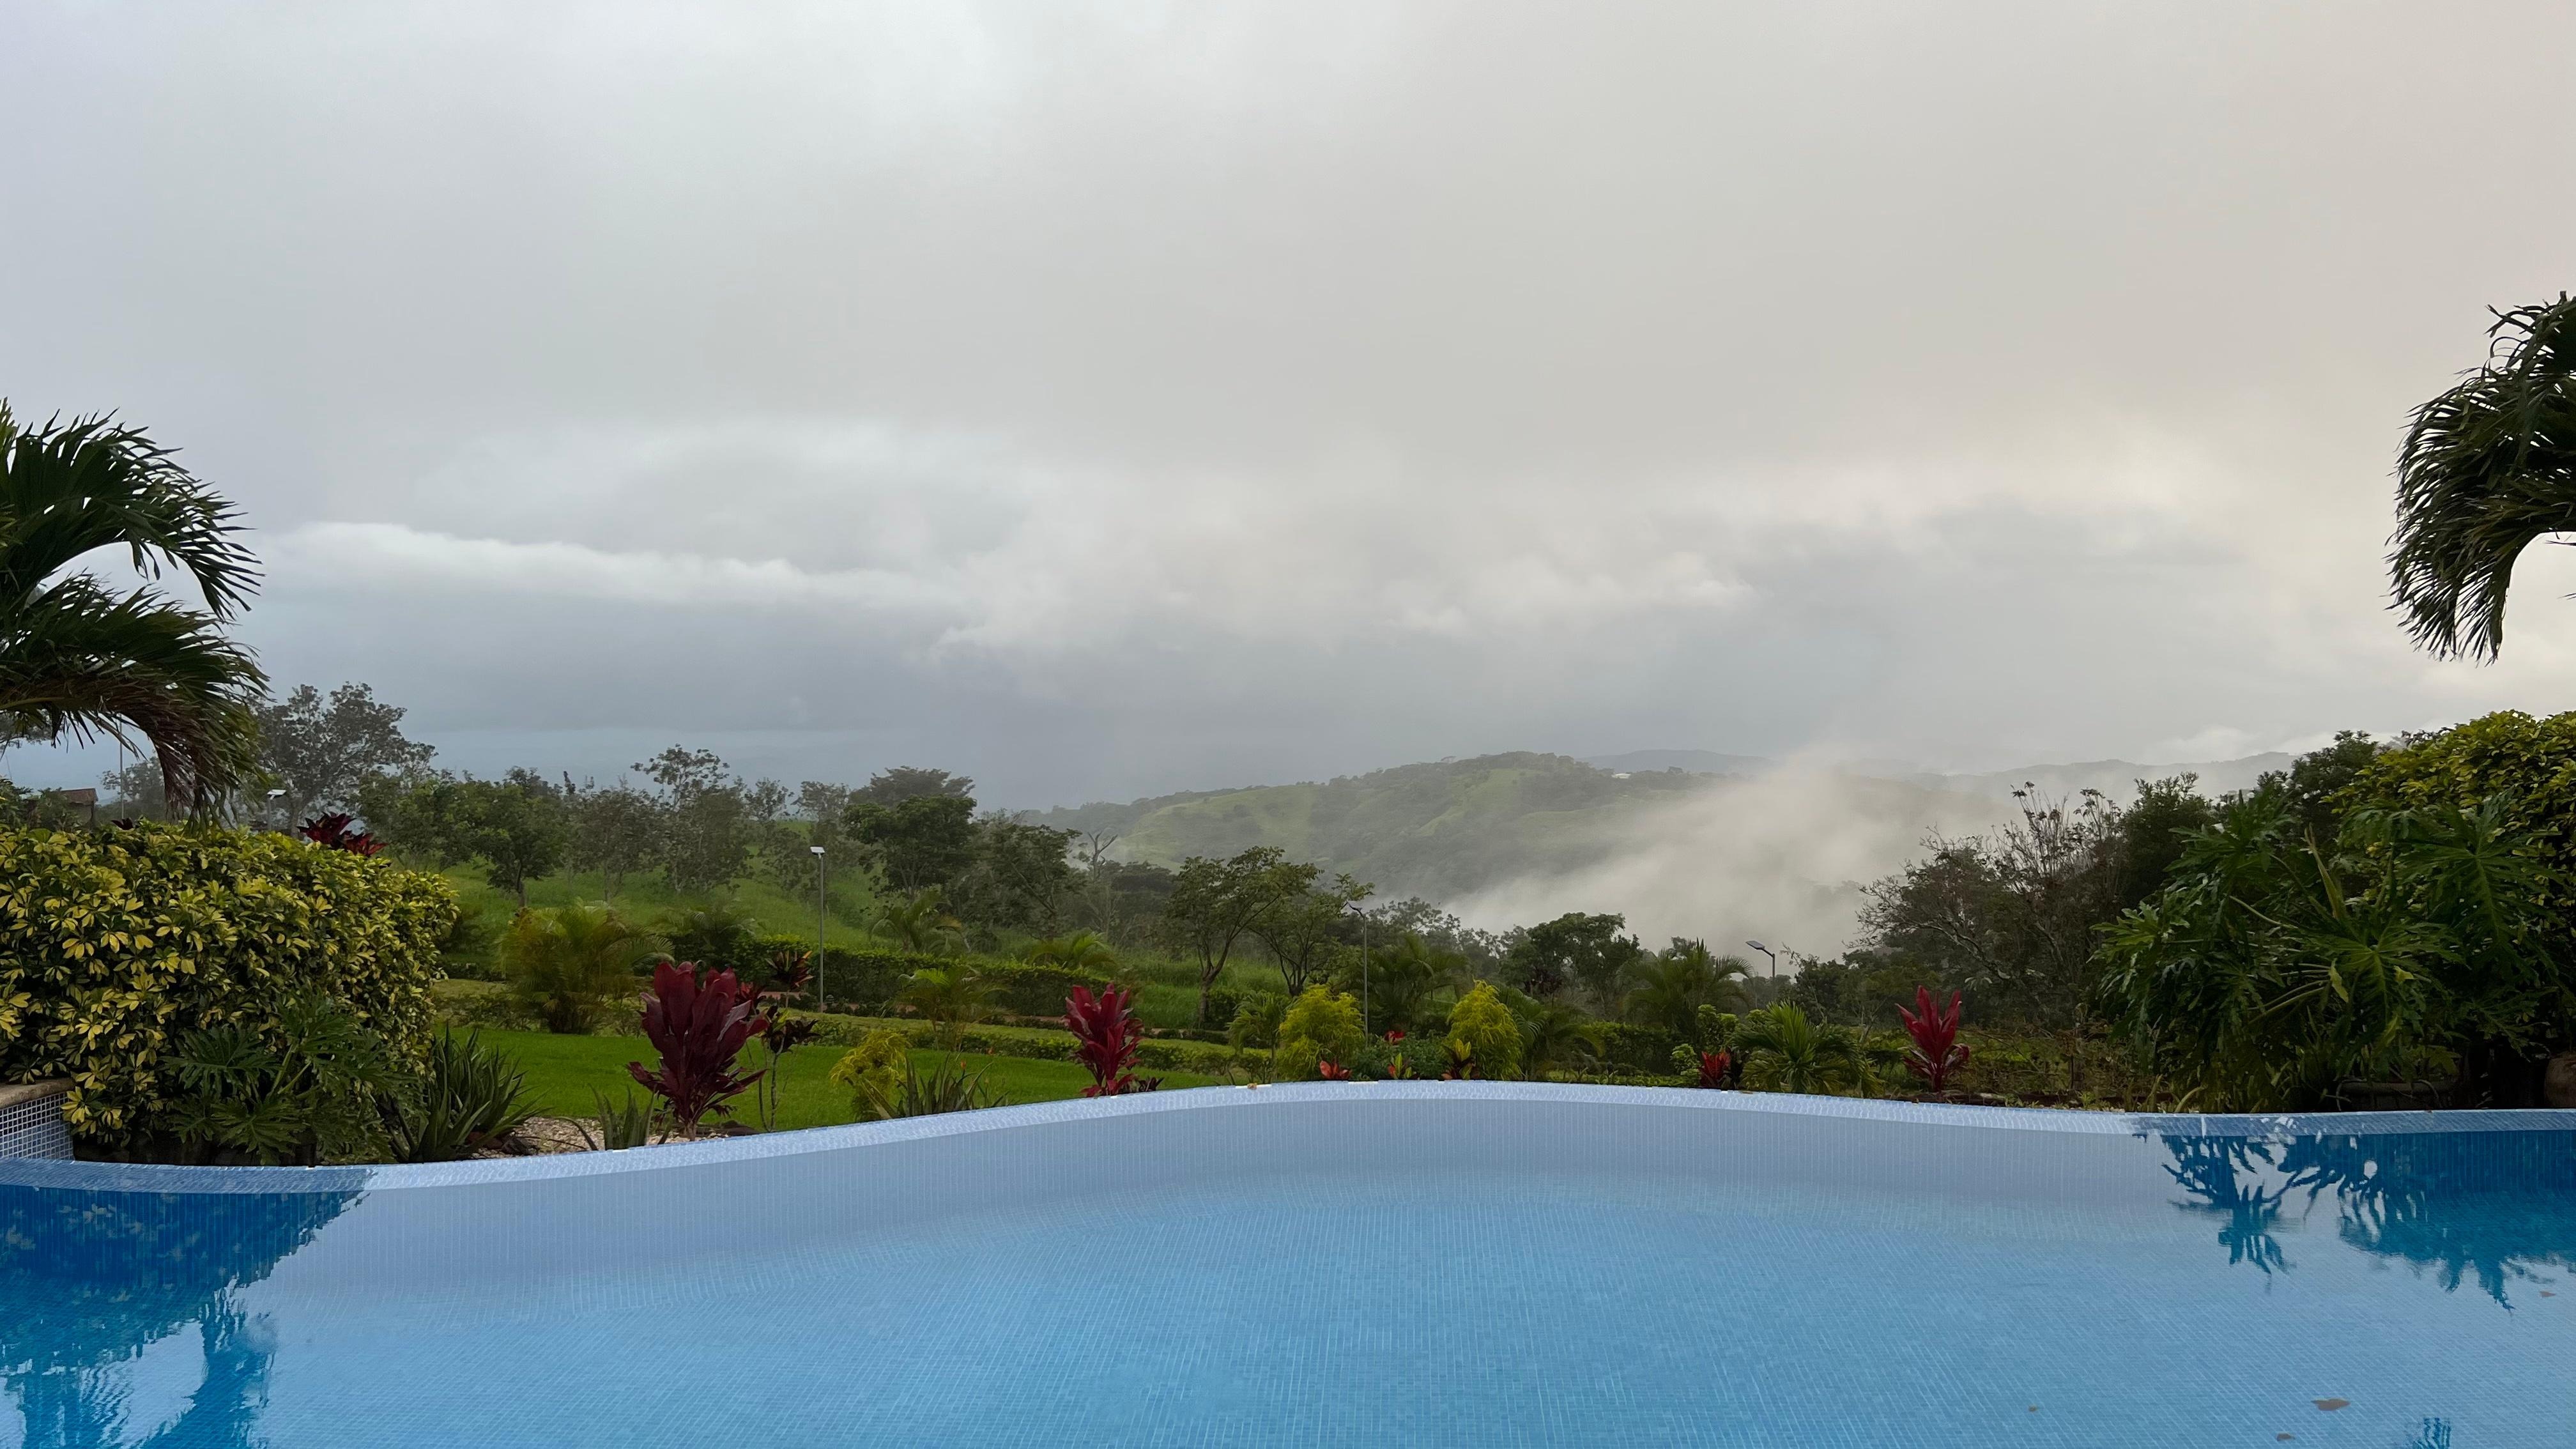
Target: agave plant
{"x": 947, "y": 1087}
{"x": 617, "y": 1126}
{"x": 699, "y": 1022}
{"x": 473, "y": 1097}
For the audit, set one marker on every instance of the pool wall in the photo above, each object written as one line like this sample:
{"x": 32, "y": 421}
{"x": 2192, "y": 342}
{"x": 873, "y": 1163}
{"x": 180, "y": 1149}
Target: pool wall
{"x": 574, "y": 1213}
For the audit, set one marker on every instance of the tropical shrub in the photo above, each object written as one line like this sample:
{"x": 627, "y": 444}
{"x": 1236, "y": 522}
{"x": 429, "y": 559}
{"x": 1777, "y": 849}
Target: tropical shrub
{"x": 872, "y": 981}
{"x": 2421, "y": 943}
{"x": 617, "y": 1126}
{"x": 1256, "y": 1020}
{"x": 1785, "y": 1052}
{"x": 1714, "y": 1070}
{"x": 472, "y": 1097}
{"x": 1555, "y": 1034}
{"x": 947, "y": 1087}
{"x": 951, "y": 995}
{"x": 1321, "y": 1025}
{"x": 698, "y": 1021}
{"x": 873, "y": 1070}
{"x": 292, "y": 1090}
{"x": 568, "y": 964}
{"x": 115, "y": 943}
{"x": 1483, "y": 1036}
{"x": 334, "y": 832}
{"x": 1937, "y": 1052}
{"x": 1105, "y": 1034}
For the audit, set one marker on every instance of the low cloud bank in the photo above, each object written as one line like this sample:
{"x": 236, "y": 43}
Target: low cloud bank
{"x": 1779, "y": 857}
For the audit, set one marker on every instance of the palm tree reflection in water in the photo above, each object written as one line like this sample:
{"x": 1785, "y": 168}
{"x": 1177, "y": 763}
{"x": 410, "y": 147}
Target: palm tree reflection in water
{"x": 2482, "y": 1205}
{"x": 89, "y": 1280}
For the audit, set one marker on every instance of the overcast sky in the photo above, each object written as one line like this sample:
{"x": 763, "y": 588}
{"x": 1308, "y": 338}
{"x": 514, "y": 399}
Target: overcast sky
{"x": 1111, "y": 399}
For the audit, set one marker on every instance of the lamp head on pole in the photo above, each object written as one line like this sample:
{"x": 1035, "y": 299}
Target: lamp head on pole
{"x": 818, "y": 850}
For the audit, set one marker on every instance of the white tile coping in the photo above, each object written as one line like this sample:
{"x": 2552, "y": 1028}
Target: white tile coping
{"x": 125, "y": 1177}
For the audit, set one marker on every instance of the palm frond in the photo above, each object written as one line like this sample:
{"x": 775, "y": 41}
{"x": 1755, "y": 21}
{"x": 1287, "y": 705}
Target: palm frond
{"x": 2487, "y": 467}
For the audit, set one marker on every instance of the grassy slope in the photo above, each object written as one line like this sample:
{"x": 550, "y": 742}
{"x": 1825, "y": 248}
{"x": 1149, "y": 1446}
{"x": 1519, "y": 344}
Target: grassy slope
{"x": 1438, "y": 830}
{"x": 564, "y": 1071}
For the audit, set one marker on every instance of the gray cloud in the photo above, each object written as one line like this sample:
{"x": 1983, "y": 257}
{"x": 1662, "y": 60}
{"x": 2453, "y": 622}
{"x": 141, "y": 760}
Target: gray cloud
{"x": 1104, "y": 399}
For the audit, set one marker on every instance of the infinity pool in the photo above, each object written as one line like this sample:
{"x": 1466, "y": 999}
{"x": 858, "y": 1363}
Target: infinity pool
{"x": 1432, "y": 1264}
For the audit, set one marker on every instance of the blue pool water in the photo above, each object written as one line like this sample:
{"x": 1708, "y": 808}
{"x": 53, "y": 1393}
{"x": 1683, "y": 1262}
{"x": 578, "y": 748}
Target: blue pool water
{"x": 1467, "y": 1264}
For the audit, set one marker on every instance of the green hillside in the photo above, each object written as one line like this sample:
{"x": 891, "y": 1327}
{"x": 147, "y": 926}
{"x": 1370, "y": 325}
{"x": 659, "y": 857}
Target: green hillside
{"x": 1434, "y": 830}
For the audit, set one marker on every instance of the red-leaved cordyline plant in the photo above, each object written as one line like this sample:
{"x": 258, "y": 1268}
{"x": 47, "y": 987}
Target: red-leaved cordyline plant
{"x": 332, "y": 831}
{"x": 1331, "y": 1071}
{"x": 1937, "y": 1052}
{"x": 1716, "y": 1069}
{"x": 1105, "y": 1032}
{"x": 1398, "y": 1069}
{"x": 698, "y": 1021}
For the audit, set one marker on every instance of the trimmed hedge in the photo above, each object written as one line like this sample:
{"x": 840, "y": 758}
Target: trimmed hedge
{"x": 871, "y": 980}
{"x": 115, "y": 943}
{"x": 1029, "y": 1042}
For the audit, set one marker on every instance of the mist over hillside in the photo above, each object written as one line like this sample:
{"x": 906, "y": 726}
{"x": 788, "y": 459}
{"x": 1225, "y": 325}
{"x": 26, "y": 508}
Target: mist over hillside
{"x": 1682, "y": 842}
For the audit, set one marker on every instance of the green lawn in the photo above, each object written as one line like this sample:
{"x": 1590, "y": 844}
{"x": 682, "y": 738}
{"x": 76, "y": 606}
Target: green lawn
{"x": 564, "y": 1071}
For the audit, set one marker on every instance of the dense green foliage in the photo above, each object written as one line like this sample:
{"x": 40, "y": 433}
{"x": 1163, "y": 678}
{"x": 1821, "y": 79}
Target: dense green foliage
{"x": 1482, "y": 1031}
{"x": 1318, "y": 1026}
{"x": 568, "y": 964}
{"x": 114, "y": 944}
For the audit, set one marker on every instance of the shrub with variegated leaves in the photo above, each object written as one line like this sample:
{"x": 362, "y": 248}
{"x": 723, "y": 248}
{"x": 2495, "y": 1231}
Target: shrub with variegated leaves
{"x": 116, "y": 943}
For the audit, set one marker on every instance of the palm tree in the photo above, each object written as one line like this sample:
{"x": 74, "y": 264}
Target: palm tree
{"x": 1554, "y": 1034}
{"x": 1673, "y": 985}
{"x": 2487, "y": 467}
{"x": 81, "y": 658}
{"x": 1785, "y": 1052}
{"x": 567, "y": 963}
{"x": 1081, "y": 951}
{"x": 918, "y": 921}
{"x": 950, "y": 995}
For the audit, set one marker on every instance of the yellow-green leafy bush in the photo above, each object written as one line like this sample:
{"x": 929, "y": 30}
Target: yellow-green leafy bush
{"x": 1481, "y": 1024}
{"x": 1319, "y": 1025}
{"x": 116, "y": 943}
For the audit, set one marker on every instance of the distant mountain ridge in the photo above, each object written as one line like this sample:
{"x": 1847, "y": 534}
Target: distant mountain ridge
{"x": 1686, "y": 841}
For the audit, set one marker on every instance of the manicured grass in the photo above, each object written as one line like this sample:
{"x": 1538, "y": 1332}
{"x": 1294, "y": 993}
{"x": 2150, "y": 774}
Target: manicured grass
{"x": 564, "y": 1071}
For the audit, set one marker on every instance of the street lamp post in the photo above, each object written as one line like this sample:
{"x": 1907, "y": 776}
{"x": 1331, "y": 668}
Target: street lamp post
{"x": 818, "y": 926}
{"x": 1767, "y": 951}
{"x": 273, "y": 797}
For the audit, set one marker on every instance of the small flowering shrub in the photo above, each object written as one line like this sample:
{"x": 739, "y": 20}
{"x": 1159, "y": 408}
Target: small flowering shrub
{"x": 1937, "y": 1051}
{"x": 699, "y": 1022}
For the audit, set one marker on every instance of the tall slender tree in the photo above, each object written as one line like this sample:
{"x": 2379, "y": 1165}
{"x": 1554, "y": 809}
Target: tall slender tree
{"x": 84, "y": 659}
{"x": 2488, "y": 466}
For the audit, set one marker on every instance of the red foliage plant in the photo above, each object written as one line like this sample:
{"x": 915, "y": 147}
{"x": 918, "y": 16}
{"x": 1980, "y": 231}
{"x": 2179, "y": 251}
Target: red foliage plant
{"x": 1105, "y": 1032}
{"x": 1937, "y": 1052}
{"x": 332, "y": 832}
{"x": 1331, "y": 1071}
{"x": 698, "y": 1021}
{"x": 1716, "y": 1069}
